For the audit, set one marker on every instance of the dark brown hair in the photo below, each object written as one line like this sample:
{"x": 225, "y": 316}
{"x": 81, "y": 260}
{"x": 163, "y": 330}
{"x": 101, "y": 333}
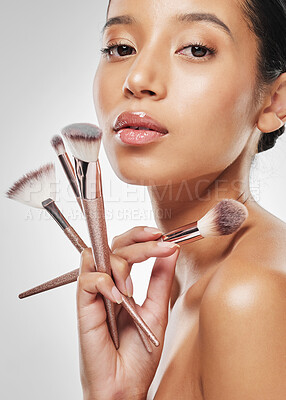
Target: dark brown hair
{"x": 267, "y": 20}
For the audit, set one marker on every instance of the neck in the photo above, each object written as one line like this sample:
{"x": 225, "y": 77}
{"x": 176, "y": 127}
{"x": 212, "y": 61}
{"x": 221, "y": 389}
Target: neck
{"x": 177, "y": 204}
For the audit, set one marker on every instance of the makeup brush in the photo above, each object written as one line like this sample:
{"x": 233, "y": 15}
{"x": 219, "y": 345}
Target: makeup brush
{"x": 26, "y": 188}
{"x": 223, "y": 219}
{"x": 84, "y": 141}
{"x": 35, "y": 189}
{"x": 59, "y": 147}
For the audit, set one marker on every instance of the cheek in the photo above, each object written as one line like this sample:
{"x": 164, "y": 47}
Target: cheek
{"x": 214, "y": 111}
{"x": 104, "y": 92}
{"x": 108, "y": 92}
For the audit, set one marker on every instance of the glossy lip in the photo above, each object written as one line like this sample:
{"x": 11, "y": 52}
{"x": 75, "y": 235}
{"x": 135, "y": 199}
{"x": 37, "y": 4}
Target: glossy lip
{"x": 137, "y": 119}
{"x": 136, "y": 137}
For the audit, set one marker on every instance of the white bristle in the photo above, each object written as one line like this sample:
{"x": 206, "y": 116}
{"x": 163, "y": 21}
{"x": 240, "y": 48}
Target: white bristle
{"x": 58, "y": 145}
{"x": 83, "y": 140}
{"x": 223, "y": 219}
{"x": 35, "y": 186}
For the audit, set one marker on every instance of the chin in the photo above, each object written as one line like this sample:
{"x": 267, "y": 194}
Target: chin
{"x": 135, "y": 175}
{"x": 130, "y": 166}
{"x": 139, "y": 166}
{"x": 139, "y": 172}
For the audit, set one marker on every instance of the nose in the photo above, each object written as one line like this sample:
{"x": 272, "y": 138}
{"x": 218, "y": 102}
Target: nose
{"x": 146, "y": 77}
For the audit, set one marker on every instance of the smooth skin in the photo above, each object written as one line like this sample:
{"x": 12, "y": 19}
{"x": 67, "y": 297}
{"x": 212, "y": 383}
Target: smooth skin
{"x": 224, "y": 337}
{"x": 125, "y": 373}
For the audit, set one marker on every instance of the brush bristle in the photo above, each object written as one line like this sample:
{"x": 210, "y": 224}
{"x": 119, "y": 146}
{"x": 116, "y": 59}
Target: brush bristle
{"x": 84, "y": 140}
{"x": 224, "y": 219}
{"x": 35, "y": 186}
{"x": 58, "y": 145}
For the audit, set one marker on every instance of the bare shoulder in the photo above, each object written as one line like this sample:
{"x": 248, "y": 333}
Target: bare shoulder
{"x": 242, "y": 287}
{"x": 255, "y": 268}
{"x": 264, "y": 242}
{"x": 242, "y": 319}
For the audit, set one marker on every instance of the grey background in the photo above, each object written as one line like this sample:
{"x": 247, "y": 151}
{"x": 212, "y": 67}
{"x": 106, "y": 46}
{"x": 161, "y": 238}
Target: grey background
{"x": 49, "y": 54}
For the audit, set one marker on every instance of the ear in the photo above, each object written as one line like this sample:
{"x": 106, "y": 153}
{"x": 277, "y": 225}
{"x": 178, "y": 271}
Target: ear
{"x": 273, "y": 114}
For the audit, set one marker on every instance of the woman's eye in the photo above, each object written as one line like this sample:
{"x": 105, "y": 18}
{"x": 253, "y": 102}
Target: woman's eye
{"x": 197, "y": 51}
{"x": 194, "y": 51}
{"x": 117, "y": 50}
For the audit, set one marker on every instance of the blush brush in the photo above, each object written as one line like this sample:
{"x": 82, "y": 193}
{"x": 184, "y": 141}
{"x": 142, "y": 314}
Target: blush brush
{"x": 84, "y": 141}
{"x": 224, "y": 218}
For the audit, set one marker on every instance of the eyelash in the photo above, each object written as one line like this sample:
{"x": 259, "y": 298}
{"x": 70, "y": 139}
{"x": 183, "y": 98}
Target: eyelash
{"x": 106, "y": 51}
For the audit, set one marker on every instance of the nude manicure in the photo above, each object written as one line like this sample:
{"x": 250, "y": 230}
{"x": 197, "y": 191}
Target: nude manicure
{"x": 169, "y": 245}
{"x": 116, "y": 295}
{"x": 154, "y": 231}
{"x": 129, "y": 286}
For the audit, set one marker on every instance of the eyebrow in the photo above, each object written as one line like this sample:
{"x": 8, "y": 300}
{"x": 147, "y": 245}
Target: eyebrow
{"x": 121, "y": 20}
{"x": 212, "y": 18}
{"x": 189, "y": 17}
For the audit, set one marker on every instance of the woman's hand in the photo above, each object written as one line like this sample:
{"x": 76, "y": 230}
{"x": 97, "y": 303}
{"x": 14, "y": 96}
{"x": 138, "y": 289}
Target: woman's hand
{"x": 126, "y": 373}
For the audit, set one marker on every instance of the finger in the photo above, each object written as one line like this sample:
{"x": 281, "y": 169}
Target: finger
{"x": 121, "y": 274}
{"x": 122, "y": 259}
{"x": 139, "y": 252}
{"x": 119, "y": 266}
{"x": 91, "y": 283}
{"x": 86, "y": 261}
{"x": 134, "y": 235}
{"x": 159, "y": 289}
{"x": 92, "y": 316}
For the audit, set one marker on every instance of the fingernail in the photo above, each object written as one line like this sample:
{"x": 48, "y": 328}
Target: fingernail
{"x": 169, "y": 245}
{"x": 154, "y": 231}
{"x": 129, "y": 286}
{"x": 116, "y": 295}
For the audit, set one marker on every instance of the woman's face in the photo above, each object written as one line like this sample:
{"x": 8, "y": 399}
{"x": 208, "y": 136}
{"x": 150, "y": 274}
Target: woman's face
{"x": 192, "y": 75}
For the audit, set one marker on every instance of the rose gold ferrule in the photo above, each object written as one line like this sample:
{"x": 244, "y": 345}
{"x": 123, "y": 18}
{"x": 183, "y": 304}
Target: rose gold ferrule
{"x": 72, "y": 235}
{"x": 69, "y": 171}
{"x": 183, "y": 235}
{"x": 87, "y": 176}
{"x": 53, "y": 210}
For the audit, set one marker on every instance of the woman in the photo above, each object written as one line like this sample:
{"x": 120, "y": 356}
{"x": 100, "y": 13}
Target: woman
{"x": 212, "y": 74}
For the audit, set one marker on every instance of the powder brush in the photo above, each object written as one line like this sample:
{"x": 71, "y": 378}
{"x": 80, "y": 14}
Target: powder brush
{"x": 224, "y": 218}
{"x": 84, "y": 142}
{"x": 59, "y": 147}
